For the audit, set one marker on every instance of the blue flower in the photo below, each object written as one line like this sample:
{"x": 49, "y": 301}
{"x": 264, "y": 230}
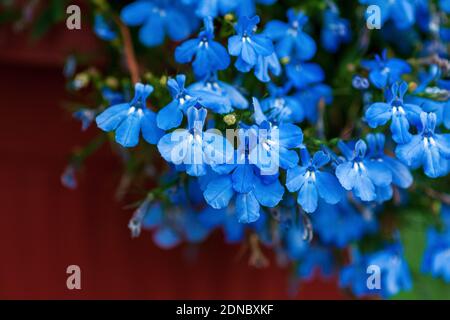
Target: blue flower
{"x": 103, "y": 28}
{"x": 266, "y": 64}
{"x": 291, "y": 41}
{"x": 212, "y": 86}
{"x": 304, "y": 74}
{"x": 427, "y": 148}
{"x": 444, "y": 5}
{"x": 157, "y": 18}
{"x": 273, "y": 144}
{"x": 384, "y": 71}
{"x": 279, "y": 107}
{"x": 309, "y": 98}
{"x": 400, "y": 12}
{"x": 68, "y": 178}
{"x": 247, "y": 45}
{"x": 335, "y": 31}
{"x": 360, "y": 83}
{"x": 437, "y": 255}
{"x": 208, "y": 8}
{"x": 171, "y": 115}
{"x": 210, "y": 55}
{"x": 341, "y": 224}
{"x": 248, "y": 7}
{"x": 312, "y": 183}
{"x": 397, "y": 111}
{"x": 315, "y": 258}
{"x": 361, "y": 174}
{"x": 86, "y": 116}
{"x": 401, "y": 176}
{"x": 244, "y": 180}
{"x": 129, "y": 119}
{"x": 193, "y": 147}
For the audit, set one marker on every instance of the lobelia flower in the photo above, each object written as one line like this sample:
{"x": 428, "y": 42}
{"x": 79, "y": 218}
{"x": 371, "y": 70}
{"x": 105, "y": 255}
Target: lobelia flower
{"x": 309, "y": 98}
{"x": 396, "y": 110}
{"x": 341, "y": 224}
{"x": 68, "y": 177}
{"x": 304, "y": 74}
{"x": 274, "y": 143}
{"x": 400, "y": 12}
{"x": 208, "y": 8}
{"x": 212, "y": 86}
{"x": 360, "y": 83}
{"x": 444, "y": 5}
{"x": 360, "y": 174}
{"x": 248, "y": 7}
{"x": 266, "y": 64}
{"x": 171, "y": 115}
{"x": 86, "y": 116}
{"x": 335, "y": 30}
{"x": 316, "y": 258}
{"x": 312, "y": 183}
{"x": 291, "y": 41}
{"x": 193, "y": 147}
{"x": 436, "y": 260}
{"x": 103, "y": 28}
{"x": 384, "y": 71}
{"x": 131, "y": 118}
{"x": 247, "y": 45}
{"x": 427, "y": 148}
{"x": 401, "y": 176}
{"x": 279, "y": 107}
{"x": 158, "y": 18}
{"x": 243, "y": 179}
{"x": 210, "y": 55}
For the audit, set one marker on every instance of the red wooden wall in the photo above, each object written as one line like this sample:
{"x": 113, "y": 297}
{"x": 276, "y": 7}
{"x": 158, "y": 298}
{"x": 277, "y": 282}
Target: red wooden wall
{"x": 45, "y": 227}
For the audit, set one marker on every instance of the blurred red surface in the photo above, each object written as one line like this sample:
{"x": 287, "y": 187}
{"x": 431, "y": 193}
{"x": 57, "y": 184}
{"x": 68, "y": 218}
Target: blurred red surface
{"x": 44, "y": 227}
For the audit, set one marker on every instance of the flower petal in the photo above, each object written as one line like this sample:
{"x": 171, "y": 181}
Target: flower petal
{"x": 219, "y": 192}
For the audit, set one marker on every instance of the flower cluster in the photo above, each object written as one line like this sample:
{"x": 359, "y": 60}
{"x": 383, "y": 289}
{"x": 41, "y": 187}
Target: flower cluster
{"x": 278, "y": 154}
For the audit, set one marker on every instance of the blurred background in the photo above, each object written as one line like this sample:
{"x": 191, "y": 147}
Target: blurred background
{"x": 45, "y": 227}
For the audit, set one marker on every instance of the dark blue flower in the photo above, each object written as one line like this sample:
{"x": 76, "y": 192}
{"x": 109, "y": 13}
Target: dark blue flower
{"x": 304, "y": 74}
{"x": 86, "y": 116}
{"x": 316, "y": 258}
{"x": 384, "y": 71}
{"x": 103, "y": 28}
{"x": 397, "y": 111}
{"x": 210, "y": 55}
{"x": 279, "y": 107}
{"x": 444, "y": 5}
{"x": 400, "y": 12}
{"x": 360, "y": 83}
{"x": 208, "y": 8}
{"x": 193, "y": 147}
{"x": 291, "y": 42}
{"x": 129, "y": 119}
{"x": 248, "y": 7}
{"x": 341, "y": 224}
{"x": 361, "y": 174}
{"x": 437, "y": 255}
{"x": 427, "y": 148}
{"x": 247, "y": 45}
{"x": 312, "y": 183}
{"x": 335, "y": 30}
{"x": 158, "y": 18}
{"x": 309, "y": 98}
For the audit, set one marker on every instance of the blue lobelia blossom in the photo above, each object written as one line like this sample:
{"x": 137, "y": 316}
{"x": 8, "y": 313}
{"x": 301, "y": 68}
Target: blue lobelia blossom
{"x": 274, "y": 143}
{"x": 312, "y": 183}
{"x": 400, "y": 113}
{"x": 291, "y": 41}
{"x": 341, "y": 224}
{"x": 193, "y": 147}
{"x": 157, "y": 18}
{"x": 86, "y": 116}
{"x": 401, "y": 176}
{"x": 309, "y": 98}
{"x": 360, "y": 83}
{"x": 316, "y": 258}
{"x": 210, "y": 55}
{"x": 266, "y": 64}
{"x": 212, "y": 86}
{"x": 335, "y": 30}
{"x": 244, "y": 180}
{"x": 400, "y": 12}
{"x": 427, "y": 148}
{"x": 279, "y": 107}
{"x": 248, "y": 7}
{"x": 247, "y": 45}
{"x": 103, "y": 28}
{"x": 361, "y": 174}
{"x": 171, "y": 115}
{"x": 68, "y": 177}
{"x": 444, "y": 5}
{"x": 384, "y": 71}
{"x": 208, "y": 8}
{"x": 129, "y": 119}
{"x": 304, "y": 74}
{"x": 436, "y": 259}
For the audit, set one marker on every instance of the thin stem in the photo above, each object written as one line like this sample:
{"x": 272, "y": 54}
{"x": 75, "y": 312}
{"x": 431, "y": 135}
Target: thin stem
{"x": 130, "y": 57}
